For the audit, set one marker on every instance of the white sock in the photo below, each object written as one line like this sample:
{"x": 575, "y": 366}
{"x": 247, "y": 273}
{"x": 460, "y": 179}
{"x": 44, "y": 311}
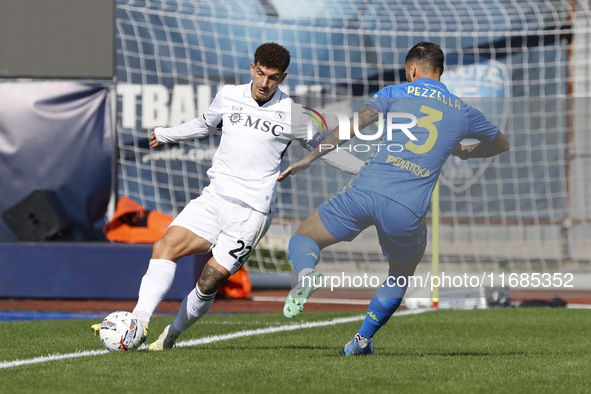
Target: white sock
{"x": 363, "y": 341}
{"x": 194, "y": 306}
{"x": 155, "y": 284}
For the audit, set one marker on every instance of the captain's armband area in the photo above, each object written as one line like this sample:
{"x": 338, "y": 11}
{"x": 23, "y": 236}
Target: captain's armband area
{"x": 314, "y": 141}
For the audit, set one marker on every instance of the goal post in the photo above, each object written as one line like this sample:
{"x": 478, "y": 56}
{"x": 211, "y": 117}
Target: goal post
{"x": 435, "y": 242}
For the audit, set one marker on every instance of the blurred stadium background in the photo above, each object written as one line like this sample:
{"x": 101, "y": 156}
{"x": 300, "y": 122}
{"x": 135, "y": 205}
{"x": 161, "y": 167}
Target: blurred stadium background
{"x": 83, "y": 83}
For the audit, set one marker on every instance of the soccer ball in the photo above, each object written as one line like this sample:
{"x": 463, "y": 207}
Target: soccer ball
{"x": 121, "y": 331}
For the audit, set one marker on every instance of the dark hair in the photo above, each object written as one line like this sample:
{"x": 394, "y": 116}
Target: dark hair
{"x": 428, "y": 55}
{"x": 272, "y": 55}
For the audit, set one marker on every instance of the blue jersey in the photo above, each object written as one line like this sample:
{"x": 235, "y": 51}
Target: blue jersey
{"x": 426, "y": 123}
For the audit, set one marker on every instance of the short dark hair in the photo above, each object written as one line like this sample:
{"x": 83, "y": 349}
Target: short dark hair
{"x": 272, "y": 55}
{"x": 428, "y": 55}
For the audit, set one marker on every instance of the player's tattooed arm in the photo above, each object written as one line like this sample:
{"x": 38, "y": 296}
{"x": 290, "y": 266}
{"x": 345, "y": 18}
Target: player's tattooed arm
{"x": 366, "y": 116}
{"x": 211, "y": 279}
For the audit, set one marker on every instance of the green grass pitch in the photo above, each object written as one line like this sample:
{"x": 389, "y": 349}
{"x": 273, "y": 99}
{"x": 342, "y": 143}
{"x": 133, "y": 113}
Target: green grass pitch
{"x": 537, "y": 350}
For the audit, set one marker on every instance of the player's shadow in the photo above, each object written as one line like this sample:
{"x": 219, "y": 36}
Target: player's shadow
{"x": 268, "y": 347}
{"x": 455, "y": 354}
{"x": 334, "y": 351}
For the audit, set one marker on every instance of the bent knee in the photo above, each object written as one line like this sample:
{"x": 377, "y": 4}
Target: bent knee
{"x": 313, "y": 228}
{"x": 164, "y": 249}
{"x": 405, "y": 267}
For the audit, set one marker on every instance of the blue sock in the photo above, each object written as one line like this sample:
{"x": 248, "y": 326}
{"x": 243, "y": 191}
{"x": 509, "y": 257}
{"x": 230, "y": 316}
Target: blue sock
{"x": 304, "y": 253}
{"x": 383, "y": 304}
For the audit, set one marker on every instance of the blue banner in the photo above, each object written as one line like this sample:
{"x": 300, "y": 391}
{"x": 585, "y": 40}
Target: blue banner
{"x": 57, "y": 136}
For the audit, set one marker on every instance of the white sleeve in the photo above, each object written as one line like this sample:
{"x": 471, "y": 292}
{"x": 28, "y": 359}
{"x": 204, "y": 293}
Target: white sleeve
{"x": 338, "y": 159}
{"x": 196, "y": 128}
{"x": 343, "y": 161}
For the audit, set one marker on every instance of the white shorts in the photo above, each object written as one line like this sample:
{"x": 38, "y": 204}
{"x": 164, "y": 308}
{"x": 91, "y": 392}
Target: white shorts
{"x": 233, "y": 227}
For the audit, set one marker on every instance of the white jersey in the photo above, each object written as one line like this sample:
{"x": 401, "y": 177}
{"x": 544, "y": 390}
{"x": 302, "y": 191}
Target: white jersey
{"x": 254, "y": 139}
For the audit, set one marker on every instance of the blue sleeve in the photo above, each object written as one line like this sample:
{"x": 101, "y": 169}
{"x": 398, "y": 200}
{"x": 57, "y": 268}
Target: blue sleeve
{"x": 382, "y": 99}
{"x": 479, "y": 127}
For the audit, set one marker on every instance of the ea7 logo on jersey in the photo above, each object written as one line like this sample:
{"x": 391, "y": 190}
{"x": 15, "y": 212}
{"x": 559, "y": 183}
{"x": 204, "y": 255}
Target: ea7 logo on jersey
{"x": 262, "y": 125}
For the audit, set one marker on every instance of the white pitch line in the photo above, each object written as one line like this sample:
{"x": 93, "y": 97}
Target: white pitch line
{"x": 268, "y": 330}
{"x": 51, "y": 357}
{"x": 578, "y": 306}
{"x": 201, "y": 341}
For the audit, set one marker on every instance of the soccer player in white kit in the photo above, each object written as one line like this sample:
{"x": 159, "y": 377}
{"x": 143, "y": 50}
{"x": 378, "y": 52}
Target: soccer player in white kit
{"x": 234, "y": 211}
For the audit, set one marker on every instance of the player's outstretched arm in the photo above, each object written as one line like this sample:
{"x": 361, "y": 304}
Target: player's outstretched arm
{"x": 367, "y": 115}
{"x": 153, "y": 141}
{"x": 482, "y": 149}
{"x": 196, "y": 128}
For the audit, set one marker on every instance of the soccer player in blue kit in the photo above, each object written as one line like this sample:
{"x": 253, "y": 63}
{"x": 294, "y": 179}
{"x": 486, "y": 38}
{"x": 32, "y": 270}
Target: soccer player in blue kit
{"x": 393, "y": 190}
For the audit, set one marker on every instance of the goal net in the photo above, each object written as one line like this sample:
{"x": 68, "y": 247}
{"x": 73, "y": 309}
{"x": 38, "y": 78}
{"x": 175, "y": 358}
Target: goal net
{"x": 526, "y": 64}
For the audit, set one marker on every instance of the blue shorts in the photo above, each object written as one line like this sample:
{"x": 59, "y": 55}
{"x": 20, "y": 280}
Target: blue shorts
{"x": 401, "y": 233}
